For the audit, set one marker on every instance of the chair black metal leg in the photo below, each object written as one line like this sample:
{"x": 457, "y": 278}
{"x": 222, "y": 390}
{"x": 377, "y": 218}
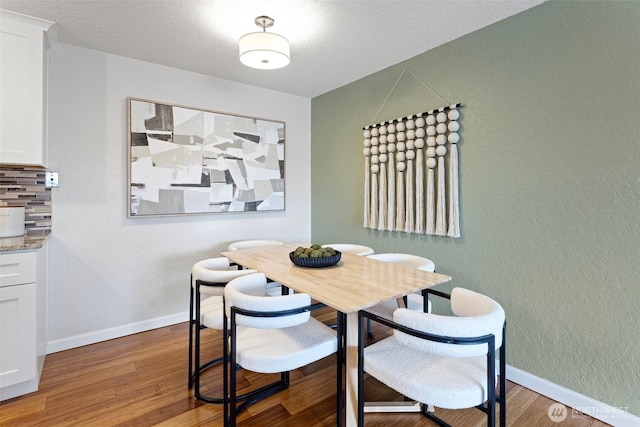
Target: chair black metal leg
{"x": 340, "y": 361}
{"x": 360, "y": 371}
{"x": 191, "y": 325}
{"x": 503, "y": 378}
{"x": 369, "y": 333}
{"x": 196, "y": 370}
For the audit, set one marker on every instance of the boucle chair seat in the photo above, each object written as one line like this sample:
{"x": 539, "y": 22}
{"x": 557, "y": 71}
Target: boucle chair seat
{"x": 351, "y": 248}
{"x": 278, "y": 350}
{"x": 442, "y": 361}
{"x": 211, "y": 312}
{"x": 208, "y": 278}
{"x": 409, "y": 260}
{"x": 273, "y": 288}
{"x": 413, "y": 301}
{"x": 441, "y": 381}
{"x": 386, "y": 309}
{"x": 272, "y": 334}
{"x": 245, "y": 244}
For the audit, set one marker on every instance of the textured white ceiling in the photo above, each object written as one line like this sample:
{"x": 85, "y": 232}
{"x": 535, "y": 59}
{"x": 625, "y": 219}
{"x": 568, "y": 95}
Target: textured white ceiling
{"x": 333, "y": 42}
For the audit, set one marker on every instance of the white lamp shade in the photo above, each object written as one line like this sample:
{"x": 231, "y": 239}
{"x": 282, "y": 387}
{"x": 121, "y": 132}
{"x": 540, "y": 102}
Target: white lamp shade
{"x": 263, "y": 50}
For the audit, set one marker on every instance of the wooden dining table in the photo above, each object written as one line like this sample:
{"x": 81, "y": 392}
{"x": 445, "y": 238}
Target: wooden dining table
{"x": 355, "y": 283}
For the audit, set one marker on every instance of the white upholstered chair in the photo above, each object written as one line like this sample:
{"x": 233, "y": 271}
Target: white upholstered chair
{"x": 413, "y": 301}
{"x": 208, "y": 278}
{"x": 268, "y": 334}
{"x": 245, "y": 244}
{"x": 351, "y": 248}
{"x": 447, "y": 361}
{"x": 274, "y": 287}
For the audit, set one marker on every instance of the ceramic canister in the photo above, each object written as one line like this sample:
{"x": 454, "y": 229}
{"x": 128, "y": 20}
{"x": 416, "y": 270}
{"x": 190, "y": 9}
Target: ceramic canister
{"x": 11, "y": 221}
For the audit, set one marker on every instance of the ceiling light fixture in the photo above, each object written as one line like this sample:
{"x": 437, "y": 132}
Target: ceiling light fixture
{"x": 266, "y": 51}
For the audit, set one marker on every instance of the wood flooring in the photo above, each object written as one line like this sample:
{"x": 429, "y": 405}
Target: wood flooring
{"x": 141, "y": 380}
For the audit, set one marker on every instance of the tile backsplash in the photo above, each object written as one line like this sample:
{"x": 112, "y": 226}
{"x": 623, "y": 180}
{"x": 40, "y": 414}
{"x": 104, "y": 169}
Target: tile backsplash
{"x": 25, "y": 186}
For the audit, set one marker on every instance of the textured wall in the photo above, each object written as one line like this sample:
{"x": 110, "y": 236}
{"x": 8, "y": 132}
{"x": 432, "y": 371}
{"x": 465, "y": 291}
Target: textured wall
{"x": 549, "y": 182}
{"x": 106, "y": 270}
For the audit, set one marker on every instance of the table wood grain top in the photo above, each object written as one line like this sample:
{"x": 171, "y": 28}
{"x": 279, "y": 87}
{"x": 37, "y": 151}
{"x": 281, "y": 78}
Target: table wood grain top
{"x": 353, "y": 284}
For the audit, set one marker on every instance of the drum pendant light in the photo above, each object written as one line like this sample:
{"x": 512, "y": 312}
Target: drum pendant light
{"x": 266, "y": 51}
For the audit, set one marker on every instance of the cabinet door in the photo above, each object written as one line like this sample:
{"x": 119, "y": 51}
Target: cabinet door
{"x": 22, "y": 86}
{"x": 17, "y": 334}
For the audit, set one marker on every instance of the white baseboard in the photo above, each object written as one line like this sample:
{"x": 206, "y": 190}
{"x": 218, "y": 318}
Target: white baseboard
{"x": 116, "y": 332}
{"x": 580, "y": 404}
{"x": 618, "y": 417}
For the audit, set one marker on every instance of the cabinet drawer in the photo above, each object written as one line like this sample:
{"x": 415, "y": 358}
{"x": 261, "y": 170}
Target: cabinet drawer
{"x": 17, "y": 268}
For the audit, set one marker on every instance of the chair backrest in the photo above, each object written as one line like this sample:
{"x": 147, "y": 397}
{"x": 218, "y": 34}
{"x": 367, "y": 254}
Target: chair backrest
{"x": 415, "y": 261}
{"x": 475, "y": 315}
{"x": 351, "y": 248}
{"x": 215, "y": 270}
{"x": 245, "y": 244}
{"x": 250, "y": 293}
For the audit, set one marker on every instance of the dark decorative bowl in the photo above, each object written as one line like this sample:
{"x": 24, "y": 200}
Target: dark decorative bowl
{"x": 315, "y": 262}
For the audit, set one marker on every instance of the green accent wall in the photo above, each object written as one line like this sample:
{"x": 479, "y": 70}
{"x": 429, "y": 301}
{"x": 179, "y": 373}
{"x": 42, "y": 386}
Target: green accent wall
{"x": 549, "y": 182}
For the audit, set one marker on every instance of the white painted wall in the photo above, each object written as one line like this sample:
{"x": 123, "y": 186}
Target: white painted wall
{"x": 110, "y": 275}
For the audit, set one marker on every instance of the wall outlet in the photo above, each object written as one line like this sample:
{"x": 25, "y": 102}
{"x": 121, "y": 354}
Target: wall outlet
{"x": 51, "y": 179}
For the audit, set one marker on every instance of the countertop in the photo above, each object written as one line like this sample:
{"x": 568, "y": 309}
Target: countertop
{"x": 23, "y": 243}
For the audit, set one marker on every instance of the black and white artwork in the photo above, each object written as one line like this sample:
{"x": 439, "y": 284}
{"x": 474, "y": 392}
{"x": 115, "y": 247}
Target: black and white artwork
{"x": 185, "y": 160}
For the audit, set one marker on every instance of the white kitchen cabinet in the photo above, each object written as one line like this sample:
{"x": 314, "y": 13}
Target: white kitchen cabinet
{"x": 24, "y": 42}
{"x": 22, "y": 321}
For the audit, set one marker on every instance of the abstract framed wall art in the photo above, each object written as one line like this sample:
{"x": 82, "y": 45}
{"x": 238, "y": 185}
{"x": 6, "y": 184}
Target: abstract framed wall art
{"x": 185, "y": 160}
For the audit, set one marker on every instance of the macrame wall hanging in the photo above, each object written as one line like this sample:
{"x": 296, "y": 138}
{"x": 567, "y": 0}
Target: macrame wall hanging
{"x": 398, "y": 194}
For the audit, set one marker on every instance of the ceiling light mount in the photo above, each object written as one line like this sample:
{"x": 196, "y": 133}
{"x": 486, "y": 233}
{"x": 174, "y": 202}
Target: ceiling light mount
{"x": 264, "y": 22}
{"x": 262, "y": 50}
